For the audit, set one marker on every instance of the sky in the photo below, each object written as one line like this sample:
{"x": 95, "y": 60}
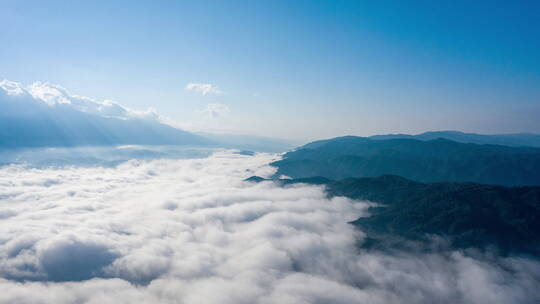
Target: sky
{"x": 299, "y": 70}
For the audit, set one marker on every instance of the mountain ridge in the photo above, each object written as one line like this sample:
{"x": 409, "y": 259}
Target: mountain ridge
{"x": 437, "y": 160}
{"x": 510, "y": 139}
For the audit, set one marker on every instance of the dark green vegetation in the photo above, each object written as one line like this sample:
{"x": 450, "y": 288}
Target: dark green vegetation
{"x": 437, "y": 160}
{"x": 467, "y": 214}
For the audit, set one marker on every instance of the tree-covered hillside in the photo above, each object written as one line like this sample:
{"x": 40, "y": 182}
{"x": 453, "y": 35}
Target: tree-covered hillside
{"x": 467, "y": 214}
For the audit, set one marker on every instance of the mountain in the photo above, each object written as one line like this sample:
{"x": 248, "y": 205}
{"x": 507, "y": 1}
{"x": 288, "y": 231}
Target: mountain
{"x": 45, "y": 115}
{"x": 513, "y": 140}
{"x": 467, "y": 214}
{"x": 438, "y": 160}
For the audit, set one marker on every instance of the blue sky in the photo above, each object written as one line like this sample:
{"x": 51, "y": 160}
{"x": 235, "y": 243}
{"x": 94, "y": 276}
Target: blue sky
{"x": 290, "y": 69}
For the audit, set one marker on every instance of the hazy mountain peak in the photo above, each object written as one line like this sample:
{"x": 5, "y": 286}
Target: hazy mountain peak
{"x": 43, "y": 114}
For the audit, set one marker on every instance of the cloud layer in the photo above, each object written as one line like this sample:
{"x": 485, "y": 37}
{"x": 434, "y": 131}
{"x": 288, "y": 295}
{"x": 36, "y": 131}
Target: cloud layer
{"x": 192, "y": 231}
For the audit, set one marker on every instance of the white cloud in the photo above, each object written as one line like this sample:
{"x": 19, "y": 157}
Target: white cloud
{"x": 203, "y": 88}
{"x": 50, "y": 94}
{"x": 191, "y": 231}
{"x": 55, "y": 95}
{"x": 11, "y": 87}
{"x": 215, "y": 110}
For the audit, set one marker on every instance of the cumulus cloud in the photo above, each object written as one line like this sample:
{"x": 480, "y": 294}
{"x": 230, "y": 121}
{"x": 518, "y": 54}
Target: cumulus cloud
{"x": 192, "y": 231}
{"x": 215, "y": 110}
{"x": 203, "y": 88}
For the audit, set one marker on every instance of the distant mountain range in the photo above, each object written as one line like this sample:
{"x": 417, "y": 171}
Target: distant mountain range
{"x": 46, "y": 115}
{"x": 467, "y": 214}
{"x": 64, "y": 127}
{"x": 513, "y": 140}
{"x": 438, "y": 160}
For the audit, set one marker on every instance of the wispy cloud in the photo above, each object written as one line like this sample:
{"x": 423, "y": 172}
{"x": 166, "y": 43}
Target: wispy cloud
{"x": 203, "y": 88}
{"x": 215, "y": 110}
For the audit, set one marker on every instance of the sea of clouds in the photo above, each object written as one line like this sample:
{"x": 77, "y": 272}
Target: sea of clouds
{"x": 193, "y": 231}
